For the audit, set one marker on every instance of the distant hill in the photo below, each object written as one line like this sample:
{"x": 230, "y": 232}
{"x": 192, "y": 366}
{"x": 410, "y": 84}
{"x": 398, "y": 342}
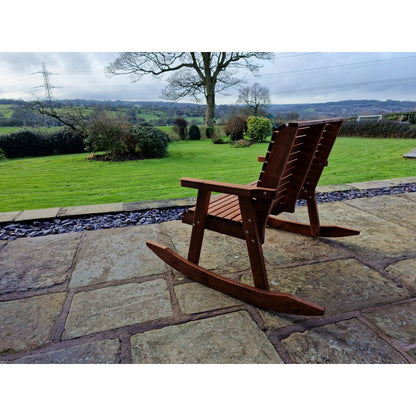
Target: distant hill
{"x": 348, "y": 108}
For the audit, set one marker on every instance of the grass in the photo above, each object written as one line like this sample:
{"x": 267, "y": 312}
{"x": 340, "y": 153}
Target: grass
{"x": 8, "y": 130}
{"x": 70, "y": 180}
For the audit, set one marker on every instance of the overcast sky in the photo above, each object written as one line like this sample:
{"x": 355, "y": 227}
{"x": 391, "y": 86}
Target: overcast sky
{"x": 322, "y": 54}
{"x": 292, "y": 77}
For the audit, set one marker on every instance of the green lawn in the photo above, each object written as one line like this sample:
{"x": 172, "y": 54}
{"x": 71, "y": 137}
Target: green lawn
{"x": 70, "y": 180}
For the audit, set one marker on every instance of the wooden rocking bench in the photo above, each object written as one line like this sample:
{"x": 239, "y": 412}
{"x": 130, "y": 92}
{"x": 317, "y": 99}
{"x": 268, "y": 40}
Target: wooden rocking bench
{"x": 296, "y": 157}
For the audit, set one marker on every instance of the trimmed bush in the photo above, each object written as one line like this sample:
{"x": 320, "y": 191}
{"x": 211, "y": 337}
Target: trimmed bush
{"x": 179, "y": 127}
{"x": 210, "y": 132}
{"x": 194, "y": 132}
{"x": 258, "y": 128}
{"x": 151, "y": 142}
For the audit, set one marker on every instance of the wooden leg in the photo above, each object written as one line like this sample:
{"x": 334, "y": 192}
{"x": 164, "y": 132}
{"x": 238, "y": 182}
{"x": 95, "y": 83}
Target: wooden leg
{"x": 253, "y": 240}
{"x": 198, "y": 226}
{"x": 313, "y": 216}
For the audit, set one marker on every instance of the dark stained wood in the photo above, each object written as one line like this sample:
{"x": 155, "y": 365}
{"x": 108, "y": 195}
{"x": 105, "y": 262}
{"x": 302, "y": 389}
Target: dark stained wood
{"x": 292, "y": 166}
{"x": 253, "y": 237}
{"x": 305, "y": 229}
{"x": 265, "y": 299}
{"x": 198, "y": 226}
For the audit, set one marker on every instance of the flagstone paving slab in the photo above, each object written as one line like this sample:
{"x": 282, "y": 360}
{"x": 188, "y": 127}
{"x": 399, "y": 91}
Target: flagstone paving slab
{"x": 9, "y": 216}
{"x": 126, "y": 256}
{"x": 100, "y": 352}
{"x": 405, "y": 271}
{"x": 390, "y": 207}
{"x": 372, "y": 244}
{"x": 90, "y": 209}
{"x": 194, "y": 297}
{"x": 27, "y": 324}
{"x": 346, "y": 342}
{"x": 334, "y": 188}
{"x": 284, "y": 248}
{"x": 117, "y": 306}
{"x": 371, "y": 184}
{"x": 400, "y": 181}
{"x": 37, "y": 214}
{"x": 396, "y": 321}
{"x": 339, "y": 285}
{"x": 225, "y": 339}
{"x": 219, "y": 252}
{"x": 410, "y": 195}
{"x": 34, "y": 263}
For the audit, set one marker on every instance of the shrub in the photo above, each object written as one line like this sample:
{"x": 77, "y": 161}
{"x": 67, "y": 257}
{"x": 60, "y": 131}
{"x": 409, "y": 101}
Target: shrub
{"x": 210, "y": 132}
{"x": 151, "y": 142}
{"x": 179, "y": 127}
{"x": 217, "y": 140}
{"x": 258, "y": 128}
{"x": 194, "y": 132}
{"x": 2, "y": 154}
{"x": 235, "y": 128}
{"x": 110, "y": 135}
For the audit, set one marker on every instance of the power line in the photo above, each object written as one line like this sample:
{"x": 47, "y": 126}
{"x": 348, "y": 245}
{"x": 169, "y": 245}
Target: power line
{"x": 334, "y": 67}
{"x": 353, "y": 84}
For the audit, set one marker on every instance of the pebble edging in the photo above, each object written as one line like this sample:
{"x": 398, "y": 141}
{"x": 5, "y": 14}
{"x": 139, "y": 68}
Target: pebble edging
{"x": 14, "y": 230}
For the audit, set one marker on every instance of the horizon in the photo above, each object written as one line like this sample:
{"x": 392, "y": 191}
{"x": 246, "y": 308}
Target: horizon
{"x": 202, "y": 104}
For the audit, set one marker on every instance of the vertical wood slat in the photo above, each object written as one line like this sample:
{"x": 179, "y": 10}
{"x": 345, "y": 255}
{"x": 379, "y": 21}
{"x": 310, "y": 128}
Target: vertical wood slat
{"x": 320, "y": 158}
{"x": 274, "y": 164}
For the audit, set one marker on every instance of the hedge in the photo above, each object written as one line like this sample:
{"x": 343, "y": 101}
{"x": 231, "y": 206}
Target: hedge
{"x": 384, "y": 129}
{"x": 28, "y": 143}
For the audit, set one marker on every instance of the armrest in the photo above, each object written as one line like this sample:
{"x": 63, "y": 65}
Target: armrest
{"x": 229, "y": 188}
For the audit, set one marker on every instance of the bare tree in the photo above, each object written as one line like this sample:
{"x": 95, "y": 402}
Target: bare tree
{"x": 193, "y": 73}
{"x": 254, "y": 97}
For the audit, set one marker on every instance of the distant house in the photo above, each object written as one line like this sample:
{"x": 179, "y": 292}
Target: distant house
{"x": 373, "y": 117}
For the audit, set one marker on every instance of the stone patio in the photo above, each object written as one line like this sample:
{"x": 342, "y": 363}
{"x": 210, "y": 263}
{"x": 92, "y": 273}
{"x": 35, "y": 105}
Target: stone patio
{"x": 104, "y": 297}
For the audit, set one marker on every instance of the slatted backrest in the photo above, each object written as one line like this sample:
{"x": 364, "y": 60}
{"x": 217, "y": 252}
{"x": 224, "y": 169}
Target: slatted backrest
{"x": 292, "y": 162}
{"x": 320, "y": 158}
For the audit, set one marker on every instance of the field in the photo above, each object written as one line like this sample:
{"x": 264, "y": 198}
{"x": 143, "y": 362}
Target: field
{"x": 70, "y": 180}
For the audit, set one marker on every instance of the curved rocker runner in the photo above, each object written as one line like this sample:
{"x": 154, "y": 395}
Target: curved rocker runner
{"x": 296, "y": 157}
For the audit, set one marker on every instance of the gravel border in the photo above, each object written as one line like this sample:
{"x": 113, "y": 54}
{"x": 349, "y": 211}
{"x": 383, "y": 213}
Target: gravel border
{"x": 12, "y": 231}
